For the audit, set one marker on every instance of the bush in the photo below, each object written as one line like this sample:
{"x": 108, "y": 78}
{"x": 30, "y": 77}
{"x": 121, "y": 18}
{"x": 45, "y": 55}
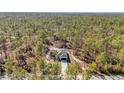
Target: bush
{"x": 73, "y": 70}
{"x": 121, "y": 55}
{"x": 106, "y": 66}
{"x": 102, "y": 58}
{"x": 86, "y": 75}
{"x": 56, "y": 69}
{"x": 118, "y": 69}
{"x": 8, "y": 67}
{"x": 53, "y": 54}
{"x": 94, "y": 66}
{"x": 41, "y": 64}
{"x": 101, "y": 68}
{"x": 18, "y": 73}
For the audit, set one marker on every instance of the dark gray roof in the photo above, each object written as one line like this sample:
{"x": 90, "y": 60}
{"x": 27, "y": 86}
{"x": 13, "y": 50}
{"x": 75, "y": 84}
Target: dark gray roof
{"x": 62, "y": 53}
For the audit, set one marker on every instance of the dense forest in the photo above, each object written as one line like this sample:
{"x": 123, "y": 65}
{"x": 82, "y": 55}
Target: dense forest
{"x": 97, "y": 40}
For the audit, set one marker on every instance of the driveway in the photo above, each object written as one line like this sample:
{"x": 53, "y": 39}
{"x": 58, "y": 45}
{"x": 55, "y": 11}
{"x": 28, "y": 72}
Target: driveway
{"x": 64, "y": 65}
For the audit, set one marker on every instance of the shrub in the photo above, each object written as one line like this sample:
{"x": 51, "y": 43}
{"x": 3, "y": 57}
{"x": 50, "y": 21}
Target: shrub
{"x": 86, "y": 75}
{"x": 73, "y": 70}
{"x": 121, "y": 55}
{"x": 118, "y": 68}
{"x": 102, "y": 58}
{"x": 94, "y": 66}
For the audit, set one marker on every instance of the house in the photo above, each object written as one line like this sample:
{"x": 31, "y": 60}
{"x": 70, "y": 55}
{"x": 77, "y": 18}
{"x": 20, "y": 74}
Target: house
{"x": 62, "y": 55}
